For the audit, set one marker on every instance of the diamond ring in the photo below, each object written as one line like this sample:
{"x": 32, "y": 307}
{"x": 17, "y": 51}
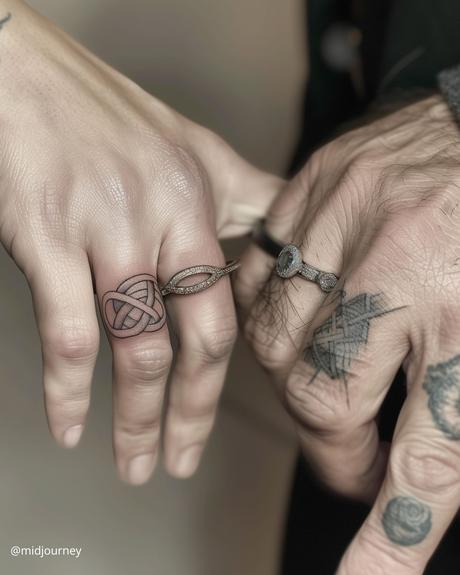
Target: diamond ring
{"x": 289, "y": 263}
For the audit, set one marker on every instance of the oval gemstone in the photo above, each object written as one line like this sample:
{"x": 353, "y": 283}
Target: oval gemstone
{"x": 289, "y": 261}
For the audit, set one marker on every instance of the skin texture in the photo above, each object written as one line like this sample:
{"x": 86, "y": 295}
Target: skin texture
{"x": 442, "y": 384}
{"x": 337, "y": 342}
{"x": 101, "y": 182}
{"x": 378, "y": 207}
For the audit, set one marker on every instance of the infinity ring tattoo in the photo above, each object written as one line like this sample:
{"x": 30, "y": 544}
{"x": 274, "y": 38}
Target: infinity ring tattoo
{"x": 136, "y": 306}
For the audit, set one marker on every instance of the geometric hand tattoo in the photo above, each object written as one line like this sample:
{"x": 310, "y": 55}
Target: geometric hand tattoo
{"x": 406, "y": 521}
{"x": 442, "y": 384}
{"x": 5, "y": 20}
{"x": 134, "y": 307}
{"x": 339, "y": 339}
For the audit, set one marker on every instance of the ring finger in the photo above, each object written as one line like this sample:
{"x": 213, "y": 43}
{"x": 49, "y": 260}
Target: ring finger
{"x": 206, "y": 330}
{"x": 135, "y": 320}
{"x": 283, "y": 310}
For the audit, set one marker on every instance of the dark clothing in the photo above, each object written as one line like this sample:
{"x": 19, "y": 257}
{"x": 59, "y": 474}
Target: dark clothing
{"x": 404, "y": 44}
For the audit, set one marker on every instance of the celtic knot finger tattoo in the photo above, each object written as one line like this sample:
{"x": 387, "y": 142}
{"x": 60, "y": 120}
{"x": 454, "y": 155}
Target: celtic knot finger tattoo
{"x": 134, "y": 307}
{"x": 406, "y": 521}
{"x": 442, "y": 384}
{"x": 339, "y": 339}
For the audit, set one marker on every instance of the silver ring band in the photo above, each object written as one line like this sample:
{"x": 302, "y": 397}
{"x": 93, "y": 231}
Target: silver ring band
{"x": 214, "y": 274}
{"x": 289, "y": 263}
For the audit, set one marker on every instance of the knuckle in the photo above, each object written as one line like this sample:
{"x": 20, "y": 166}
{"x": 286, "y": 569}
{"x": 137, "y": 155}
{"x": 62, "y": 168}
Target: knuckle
{"x": 145, "y": 365}
{"x": 272, "y": 350}
{"x": 216, "y": 344}
{"x": 321, "y": 408}
{"x": 73, "y": 399}
{"x": 201, "y": 404}
{"x": 181, "y": 171}
{"x": 424, "y": 466}
{"x": 139, "y": 428}
{"x": 75, "y": 344}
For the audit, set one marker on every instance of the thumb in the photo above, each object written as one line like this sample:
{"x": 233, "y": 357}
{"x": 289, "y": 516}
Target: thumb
{"x": 242, "y": 193}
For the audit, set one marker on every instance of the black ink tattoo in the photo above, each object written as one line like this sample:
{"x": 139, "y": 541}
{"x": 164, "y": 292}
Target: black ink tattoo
{"x": 442, "y": 384}
{"x": 5, "y": 20}
{"x": 406, "y": 521}
{"x": 339, "y": 339}
{"x": 134, "y": 307}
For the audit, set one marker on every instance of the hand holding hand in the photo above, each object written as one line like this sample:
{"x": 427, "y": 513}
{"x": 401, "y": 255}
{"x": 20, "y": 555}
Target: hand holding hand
{"x": 379, "y": 207}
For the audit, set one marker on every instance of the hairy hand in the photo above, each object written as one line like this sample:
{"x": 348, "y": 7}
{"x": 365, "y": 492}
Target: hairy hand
{"x": 379, "y": 207}
{"x": 104, "y": 187}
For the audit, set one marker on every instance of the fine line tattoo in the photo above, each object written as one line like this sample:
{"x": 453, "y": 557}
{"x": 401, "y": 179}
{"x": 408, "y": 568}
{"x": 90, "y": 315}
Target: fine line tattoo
{"x": 134, "y": 307}
{"x": 442, "y": 384}
{"x": 406, "y": 520}
{"x": 339, "y": 339}
{"x": 4, "y": 20}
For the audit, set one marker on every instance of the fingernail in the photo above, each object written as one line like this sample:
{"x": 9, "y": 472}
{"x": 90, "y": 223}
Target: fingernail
{"x": 188, "y": 460}
{"x": 140, "y": 468}
{"x": 72, "y": 435}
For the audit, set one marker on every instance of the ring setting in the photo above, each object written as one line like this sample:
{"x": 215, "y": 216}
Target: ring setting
{"x": 289, "y": 263}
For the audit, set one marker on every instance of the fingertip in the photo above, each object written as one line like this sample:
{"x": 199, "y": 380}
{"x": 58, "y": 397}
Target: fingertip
{"x": 185, "y": 463}
{"x": 139, "y": 469}
{"x": 71, "y": 436}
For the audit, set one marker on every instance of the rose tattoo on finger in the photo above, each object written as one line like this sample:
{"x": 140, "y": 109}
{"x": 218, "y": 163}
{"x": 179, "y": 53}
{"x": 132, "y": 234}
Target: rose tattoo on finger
{"x": 406, "y": 520}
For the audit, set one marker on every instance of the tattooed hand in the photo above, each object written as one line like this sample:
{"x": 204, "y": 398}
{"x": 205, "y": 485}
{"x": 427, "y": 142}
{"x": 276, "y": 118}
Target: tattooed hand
{"x": 379, "y": 207}
{"x": 101, "y": 182}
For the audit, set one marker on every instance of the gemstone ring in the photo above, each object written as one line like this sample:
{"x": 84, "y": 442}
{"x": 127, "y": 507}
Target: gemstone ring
{"x": 289, "y": 264}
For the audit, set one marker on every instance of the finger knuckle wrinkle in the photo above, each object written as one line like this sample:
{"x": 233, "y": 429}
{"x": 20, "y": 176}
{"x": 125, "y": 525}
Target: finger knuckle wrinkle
{"x": 73, "y": 344}
{"x": 139, "y": 431}
{"x": 316, "y": 406}
{"x": 272, "y": 350}
{"x": 148, "y": 364}
{"x": 424, "y": 467}
{"x": 216, "y": 344}
{"x": 371, "y": 554}
{"x": 73, "y": 399}
{"x": 182, "y": 172}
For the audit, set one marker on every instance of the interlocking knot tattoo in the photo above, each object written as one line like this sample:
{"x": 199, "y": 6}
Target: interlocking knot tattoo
{"x": 339, "y": 339}
{"x": 134, "y": 307}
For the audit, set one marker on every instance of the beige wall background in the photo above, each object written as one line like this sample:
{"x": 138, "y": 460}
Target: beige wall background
{"x": 236, "y": 66}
